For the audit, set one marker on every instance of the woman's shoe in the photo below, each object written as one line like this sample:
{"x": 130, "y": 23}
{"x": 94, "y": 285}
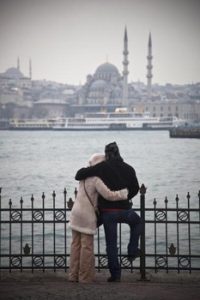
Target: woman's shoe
{"x": 113, "y": 279}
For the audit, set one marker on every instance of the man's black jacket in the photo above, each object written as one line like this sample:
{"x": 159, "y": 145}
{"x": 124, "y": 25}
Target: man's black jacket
{"x": 116, "y": 174}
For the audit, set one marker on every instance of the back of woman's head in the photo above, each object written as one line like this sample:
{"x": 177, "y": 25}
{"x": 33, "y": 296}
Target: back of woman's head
{"x": 96, "y": 158}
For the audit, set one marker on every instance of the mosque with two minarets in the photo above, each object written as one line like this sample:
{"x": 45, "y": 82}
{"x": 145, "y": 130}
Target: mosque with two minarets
{"x": 107, "y": 87}
{"x": 105, "y": 90}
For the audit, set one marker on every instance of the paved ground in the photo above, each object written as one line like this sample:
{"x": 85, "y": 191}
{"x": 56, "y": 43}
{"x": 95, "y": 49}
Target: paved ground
{"x": 54, "y": 286}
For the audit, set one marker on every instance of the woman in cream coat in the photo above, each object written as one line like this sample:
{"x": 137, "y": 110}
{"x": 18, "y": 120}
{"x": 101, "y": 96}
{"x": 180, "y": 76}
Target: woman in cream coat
{"x": 83, "y": 224}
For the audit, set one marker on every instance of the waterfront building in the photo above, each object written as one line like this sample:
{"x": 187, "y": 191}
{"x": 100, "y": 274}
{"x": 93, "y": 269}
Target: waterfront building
{"x": 186, "y": 110}
{"x": 105, "y": 90}
{"x": 50, "y": 108}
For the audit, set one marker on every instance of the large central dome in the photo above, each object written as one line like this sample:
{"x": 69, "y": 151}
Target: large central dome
{"x": 13, "y": 73}
{"x": 106, "y": 71}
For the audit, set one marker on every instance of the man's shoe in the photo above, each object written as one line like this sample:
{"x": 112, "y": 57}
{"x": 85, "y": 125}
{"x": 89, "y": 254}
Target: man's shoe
{"x": 132, "y": 257}
{"x": 113, "y": 279}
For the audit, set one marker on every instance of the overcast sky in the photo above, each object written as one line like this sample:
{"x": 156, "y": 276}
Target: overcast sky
{"x": 69, "y": 39}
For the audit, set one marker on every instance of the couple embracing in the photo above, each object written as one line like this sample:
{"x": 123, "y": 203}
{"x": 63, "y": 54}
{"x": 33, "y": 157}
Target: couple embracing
{"x": 108, "y": 184}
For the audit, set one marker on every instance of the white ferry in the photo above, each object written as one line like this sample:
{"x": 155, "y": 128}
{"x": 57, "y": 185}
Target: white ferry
{"x": 118, "y": 120}
{"x": 121, "y": 119}
{"x": 34, "y": 124}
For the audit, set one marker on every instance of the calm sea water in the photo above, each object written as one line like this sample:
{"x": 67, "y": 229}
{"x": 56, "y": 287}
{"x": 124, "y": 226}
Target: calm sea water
{"x": 34, "y": 162}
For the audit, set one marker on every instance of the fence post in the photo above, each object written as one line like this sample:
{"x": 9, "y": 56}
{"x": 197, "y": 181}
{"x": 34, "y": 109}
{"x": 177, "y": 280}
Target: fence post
{"x": 142, "y": 239}
{"x": 0, "y": 232}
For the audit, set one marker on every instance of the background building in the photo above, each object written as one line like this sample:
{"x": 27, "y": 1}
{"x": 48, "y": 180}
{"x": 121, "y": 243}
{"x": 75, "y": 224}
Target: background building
{"x": 106, "y": 89}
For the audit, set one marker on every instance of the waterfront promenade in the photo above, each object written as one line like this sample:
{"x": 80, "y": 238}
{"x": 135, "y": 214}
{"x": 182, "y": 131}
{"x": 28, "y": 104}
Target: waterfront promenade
{"x": 55, "y": 286}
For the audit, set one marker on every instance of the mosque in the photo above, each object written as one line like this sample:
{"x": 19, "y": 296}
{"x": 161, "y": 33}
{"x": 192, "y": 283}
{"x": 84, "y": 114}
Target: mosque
{"x": 14, "y": 77}
{"x": 107, "y": 87}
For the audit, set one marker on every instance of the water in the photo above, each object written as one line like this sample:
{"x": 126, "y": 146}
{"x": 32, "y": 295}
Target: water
{"x": 34, "y": 162}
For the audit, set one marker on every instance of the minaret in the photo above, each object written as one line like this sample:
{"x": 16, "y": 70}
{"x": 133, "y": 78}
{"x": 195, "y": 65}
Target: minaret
{"x": 18, "y": 64}
{"x": 149, "y": 67}
{"x": 125, "y": 70}
{"x": 30, "y": 69}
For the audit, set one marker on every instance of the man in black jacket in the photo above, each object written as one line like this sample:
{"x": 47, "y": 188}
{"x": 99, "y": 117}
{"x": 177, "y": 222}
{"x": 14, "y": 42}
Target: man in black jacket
{"x": 116, "y": 174}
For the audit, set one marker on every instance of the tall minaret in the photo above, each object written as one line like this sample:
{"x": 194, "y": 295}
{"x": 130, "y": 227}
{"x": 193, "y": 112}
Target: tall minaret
{"x": 125, "y": 69}
{"x": 149, "y": 67}
{"x": 30, "y": 69}
{"x": 18, "y": 64}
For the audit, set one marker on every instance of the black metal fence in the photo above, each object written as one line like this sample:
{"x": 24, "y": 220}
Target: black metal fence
{"x": 39, "y": 237}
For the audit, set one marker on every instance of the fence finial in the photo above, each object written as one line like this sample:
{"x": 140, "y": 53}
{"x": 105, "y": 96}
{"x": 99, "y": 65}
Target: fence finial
{"x": 172, "y": 249}
{"x": 27, "y": 249}
{"x": 143, "y": 189}
{"x": 70, "y": 203}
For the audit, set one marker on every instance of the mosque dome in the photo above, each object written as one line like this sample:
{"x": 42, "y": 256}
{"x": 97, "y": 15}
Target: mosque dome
{"x": 106, "y": 71}
{"x": 13, "y": 73}
{"x": 98, "y": 85}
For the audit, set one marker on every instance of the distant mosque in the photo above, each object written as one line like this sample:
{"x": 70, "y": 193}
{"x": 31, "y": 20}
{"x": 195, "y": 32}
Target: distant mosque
{"x": 14, "y": 76}
{"x": 105, "y": 89}
{"x": 108, "y": 87}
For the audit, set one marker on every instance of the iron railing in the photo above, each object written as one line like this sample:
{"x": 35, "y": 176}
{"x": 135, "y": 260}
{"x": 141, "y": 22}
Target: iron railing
{"x": 39, "y": 237}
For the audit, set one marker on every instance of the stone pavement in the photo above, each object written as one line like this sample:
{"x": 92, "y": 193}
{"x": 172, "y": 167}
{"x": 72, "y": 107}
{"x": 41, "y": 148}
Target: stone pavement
{"x": 54, "y": 286}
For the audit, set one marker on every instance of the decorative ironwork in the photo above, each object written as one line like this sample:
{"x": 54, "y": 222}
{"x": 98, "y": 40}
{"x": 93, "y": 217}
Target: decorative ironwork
{"x": 161, "y": 262}
{"x": 16, "y": 261}
{"x": 75, "y": 192}
{"x": 161, "y": 215}
{"x": 60, "y": 261}
{"x": 59, "y": 215}
{"x": 38, "y": 215}
{"x": 38, "y": 261}
{"x": 125, "y": 262}
{"x": 27, "y": 249}
{"x": 70, "y": 203}
{"x": 103, "y": 261}
{"x": 16, "y": 215}
{"x": 143, "y": 189}
{"x": 184, "y": 262}
{"x": 183, "y": 215}
{"x": 172, "y": 249}
{"x": 52, "y": 231}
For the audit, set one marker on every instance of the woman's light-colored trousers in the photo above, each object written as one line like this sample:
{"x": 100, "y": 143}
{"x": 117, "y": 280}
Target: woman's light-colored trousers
{"x": 82, "y": 262}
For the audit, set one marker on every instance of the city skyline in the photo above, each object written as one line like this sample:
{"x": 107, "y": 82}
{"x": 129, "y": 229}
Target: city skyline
{"x": 67, "y": 40}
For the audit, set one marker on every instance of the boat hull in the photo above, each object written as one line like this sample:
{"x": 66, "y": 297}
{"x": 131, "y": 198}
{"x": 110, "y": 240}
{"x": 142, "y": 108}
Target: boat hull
{"x": 113, "y": 129}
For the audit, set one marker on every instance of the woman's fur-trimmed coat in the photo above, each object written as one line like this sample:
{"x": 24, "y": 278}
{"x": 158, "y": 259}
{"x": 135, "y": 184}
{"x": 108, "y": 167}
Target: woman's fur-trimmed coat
{"x": 83, "y": 217}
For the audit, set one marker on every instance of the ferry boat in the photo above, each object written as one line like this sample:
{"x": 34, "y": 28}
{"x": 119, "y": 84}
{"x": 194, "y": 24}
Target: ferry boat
{"x": 121, "y": 119}
{"x": 34, "y": 124}
{"x": 118, "y": 120}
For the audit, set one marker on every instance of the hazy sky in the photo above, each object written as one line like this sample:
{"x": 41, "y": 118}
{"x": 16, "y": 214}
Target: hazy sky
{"x": 69, "y": 39}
